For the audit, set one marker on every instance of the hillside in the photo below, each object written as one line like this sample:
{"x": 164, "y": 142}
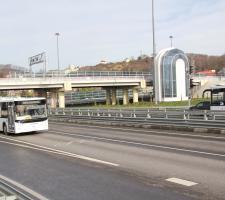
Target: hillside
{"x": 144, "y": 63}
{"x": 6, "y": 69}
{"x": 139, "y": 64}
{"x": 203, "y": 62}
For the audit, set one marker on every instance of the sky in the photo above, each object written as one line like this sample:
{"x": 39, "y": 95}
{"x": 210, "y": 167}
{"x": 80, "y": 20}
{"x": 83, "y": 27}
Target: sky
{"x": 111, "y": 30}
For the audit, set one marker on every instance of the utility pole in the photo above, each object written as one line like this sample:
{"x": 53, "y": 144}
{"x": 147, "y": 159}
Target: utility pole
{"x": 57, "y": 41}
{"x": 171, "y": 41}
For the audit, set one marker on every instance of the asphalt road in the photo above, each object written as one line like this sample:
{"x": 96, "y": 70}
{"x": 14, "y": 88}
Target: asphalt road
{"x": 91, "y": 162}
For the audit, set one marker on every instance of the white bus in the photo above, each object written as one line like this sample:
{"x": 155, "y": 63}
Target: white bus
{"x": 21, "y": 115}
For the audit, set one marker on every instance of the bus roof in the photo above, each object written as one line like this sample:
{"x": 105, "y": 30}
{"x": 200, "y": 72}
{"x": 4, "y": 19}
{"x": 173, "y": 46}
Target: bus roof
{"x": 11, "y": 99}
{"x": 214, "y": 90}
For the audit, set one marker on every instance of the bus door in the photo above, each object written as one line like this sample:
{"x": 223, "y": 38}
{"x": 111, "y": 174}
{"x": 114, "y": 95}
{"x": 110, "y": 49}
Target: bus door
{"x": 11, "y": 117}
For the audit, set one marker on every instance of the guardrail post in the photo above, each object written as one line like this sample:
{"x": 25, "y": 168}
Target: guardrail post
{"x": 213, "y": 116}
{"x": 166, "y": 115}
{"x": 134, "y": 114}
{"x": 205, "y": 115}
{"x": 98, "y": 114}
{"x": 185, "y": 117}
{"x": 188, "y": 115}
{"x": 79, "y": 113}
{"x": 109, "y": 114}
{"x": 148, "y": 114}
{"x": 121, "y": 115}
{"x": 71, "y": 111}
{"x": 88, "y": 112}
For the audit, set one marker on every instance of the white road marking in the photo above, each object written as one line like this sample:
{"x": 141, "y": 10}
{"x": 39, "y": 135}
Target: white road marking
{"x": 144, "y": 131}
{"x": 82, "y": 141}
{"x": 141, "y": 144}
{"x": 24, "y": 188}
{"x": 69, "y": 143}
{"x": 55, "y": 151}
{"x": 181, "y": 182}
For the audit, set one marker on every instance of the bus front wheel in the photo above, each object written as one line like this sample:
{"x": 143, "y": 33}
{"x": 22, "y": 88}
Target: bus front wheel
{"x": 5, "y": 129}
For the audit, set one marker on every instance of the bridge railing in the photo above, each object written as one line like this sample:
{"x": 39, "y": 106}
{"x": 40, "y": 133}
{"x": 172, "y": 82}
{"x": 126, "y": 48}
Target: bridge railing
{"x": 81, "y": 74}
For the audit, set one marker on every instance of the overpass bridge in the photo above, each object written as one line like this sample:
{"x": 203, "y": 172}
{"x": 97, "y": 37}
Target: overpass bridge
{"x": 57, "y": 85}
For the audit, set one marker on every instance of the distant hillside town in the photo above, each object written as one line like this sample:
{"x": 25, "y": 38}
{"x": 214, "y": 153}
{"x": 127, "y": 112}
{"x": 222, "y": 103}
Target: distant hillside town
{"x": 144, "y": 63}
{"x": 208, "y": 65}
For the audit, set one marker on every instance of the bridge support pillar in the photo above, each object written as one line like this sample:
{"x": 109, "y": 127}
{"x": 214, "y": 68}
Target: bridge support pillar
{"x": 113, "y": 96}
{"x": 125, "y": 96}
{"x": 53, "y": 102}
{"x": 135, "y": 95}
{"x": 61, "y": 97}
{"x": 108, "y": 96}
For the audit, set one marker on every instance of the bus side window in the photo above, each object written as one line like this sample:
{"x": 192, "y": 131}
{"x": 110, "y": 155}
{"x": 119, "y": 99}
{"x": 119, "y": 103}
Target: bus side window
{"x": 4, "y": 111}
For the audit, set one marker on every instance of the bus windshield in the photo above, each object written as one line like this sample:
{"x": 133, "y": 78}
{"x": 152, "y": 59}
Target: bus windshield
{"x": 30, "y": 111}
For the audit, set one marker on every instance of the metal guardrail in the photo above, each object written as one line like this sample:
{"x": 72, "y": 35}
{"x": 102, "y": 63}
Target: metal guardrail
{"x": 10, "y": 193}
{"x": 179, "y": 117}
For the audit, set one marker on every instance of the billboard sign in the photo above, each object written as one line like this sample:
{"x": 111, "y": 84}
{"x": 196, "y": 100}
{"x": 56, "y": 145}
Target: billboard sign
{"x": 39, "y": 58}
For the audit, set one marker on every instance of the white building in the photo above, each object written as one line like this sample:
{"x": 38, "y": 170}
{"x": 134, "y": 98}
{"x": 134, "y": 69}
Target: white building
{"x": 71, "y": 68}
{"x": 103, "y": 62}
{"x": 171, "y": 75}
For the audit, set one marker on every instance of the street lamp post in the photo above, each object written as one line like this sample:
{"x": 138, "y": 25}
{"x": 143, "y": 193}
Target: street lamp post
{"x": 171, "y": 41}
{"x": 153, "y": 29}
{"x": 153, "y": 54}
{"x": 57, "y": 40}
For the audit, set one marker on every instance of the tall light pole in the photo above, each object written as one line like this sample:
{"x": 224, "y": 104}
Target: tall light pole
{"x": 153, "y": 29}
{"x": 171, "y": 41}
{"x": 153, "y": 53}
{"x": 57, "y": 40}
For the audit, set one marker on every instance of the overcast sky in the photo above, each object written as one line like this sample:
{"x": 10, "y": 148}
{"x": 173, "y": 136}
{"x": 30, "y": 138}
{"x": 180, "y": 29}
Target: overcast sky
{"x": 92, "y": 30}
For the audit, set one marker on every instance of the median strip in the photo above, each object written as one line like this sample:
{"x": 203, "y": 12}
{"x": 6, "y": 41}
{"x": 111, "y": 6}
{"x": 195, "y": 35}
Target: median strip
{"x": 138, "y": 130}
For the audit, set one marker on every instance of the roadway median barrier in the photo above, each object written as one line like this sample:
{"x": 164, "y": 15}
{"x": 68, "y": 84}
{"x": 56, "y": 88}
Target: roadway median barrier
{"x": 181, "y": 120}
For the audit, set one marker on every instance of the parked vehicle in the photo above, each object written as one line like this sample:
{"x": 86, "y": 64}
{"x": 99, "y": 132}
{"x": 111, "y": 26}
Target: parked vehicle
{"x": 204, "y": 105}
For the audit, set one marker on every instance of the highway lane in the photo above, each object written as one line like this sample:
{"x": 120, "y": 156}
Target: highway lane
{"x": 152, "y": 156}
{"x": 59, "y": 177}
{"x": 213, "y": 144}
